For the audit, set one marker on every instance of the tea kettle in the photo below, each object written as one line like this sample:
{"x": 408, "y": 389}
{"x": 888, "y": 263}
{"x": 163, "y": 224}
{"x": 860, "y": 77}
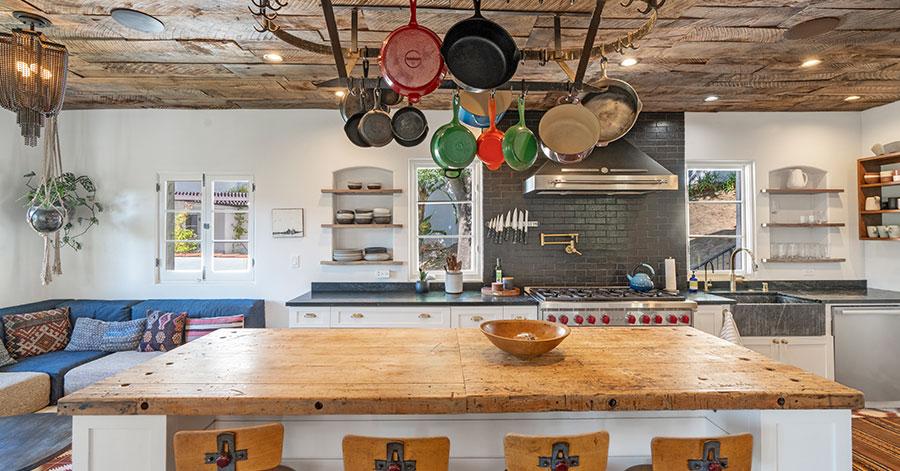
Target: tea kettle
{"x": 641, "y": 282}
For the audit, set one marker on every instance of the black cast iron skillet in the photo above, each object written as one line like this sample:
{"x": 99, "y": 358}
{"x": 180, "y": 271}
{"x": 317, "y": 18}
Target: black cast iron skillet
{"x": 351, "y": 127}
{"x": 480, "y": 54}
{"x": 409, "y": 126}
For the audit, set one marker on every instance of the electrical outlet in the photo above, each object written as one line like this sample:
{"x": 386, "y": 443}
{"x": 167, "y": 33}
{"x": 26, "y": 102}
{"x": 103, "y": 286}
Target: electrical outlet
{"x": 295, "y": 261}
{"x": 383, "y": 274}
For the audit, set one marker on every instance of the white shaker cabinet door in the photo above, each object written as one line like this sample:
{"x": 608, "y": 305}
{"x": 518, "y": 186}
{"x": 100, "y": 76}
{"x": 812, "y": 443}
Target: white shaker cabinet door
{"x": 473, "y": 316}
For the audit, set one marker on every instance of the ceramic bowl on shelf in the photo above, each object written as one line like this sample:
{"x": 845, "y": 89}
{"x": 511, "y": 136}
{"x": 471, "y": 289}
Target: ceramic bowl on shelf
{"x": 525, "y": 339}
{"x": 382, "y": 220}
{"x": 377, "y": 257}
{"x": 344, "y": 217}
{"x": 355, "y": 185}
{"x": 347, "y": 255}
{"x": 369, "y": 250}
{"x": 373, "y": 186}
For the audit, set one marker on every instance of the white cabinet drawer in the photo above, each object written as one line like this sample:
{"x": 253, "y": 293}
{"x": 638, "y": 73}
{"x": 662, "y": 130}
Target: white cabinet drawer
{"x": 311, "y": 317}
{"x": 520, "y": 312}
{"x": 404, "y": 317}
{"x": 473, "y": 316}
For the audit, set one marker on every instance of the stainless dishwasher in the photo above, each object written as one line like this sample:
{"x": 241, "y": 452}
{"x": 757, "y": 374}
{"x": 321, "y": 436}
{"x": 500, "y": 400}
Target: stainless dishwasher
{"x": 867, "y": 351}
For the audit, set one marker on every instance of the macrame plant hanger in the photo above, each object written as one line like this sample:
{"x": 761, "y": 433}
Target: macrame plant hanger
{"x": 50, "y": 200}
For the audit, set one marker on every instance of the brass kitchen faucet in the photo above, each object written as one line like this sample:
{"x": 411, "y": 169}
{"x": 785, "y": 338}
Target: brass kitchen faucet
{"x": 570, "y": 244}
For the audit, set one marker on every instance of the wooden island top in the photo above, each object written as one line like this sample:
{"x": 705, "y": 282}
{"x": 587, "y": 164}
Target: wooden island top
{"x": 277, "y": 372}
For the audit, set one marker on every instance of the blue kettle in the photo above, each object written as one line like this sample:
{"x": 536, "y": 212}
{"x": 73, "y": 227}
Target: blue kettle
{"x": 641, "y": 282}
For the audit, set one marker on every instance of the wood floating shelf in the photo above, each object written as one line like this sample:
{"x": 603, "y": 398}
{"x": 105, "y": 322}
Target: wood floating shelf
{"x": 383, "y": 191}
{"x": 879, "y": 238}
{"x": 801, "y": 191}
{"x": 881, "y": 211}
{"x": 362, "y": 226}
{"x": 360, "y": 262}
{"x": 808, "y": 260}
{"x": 875, "y": 164}
{"x": 824, "y": 224}
{"x": 879, "y": 185}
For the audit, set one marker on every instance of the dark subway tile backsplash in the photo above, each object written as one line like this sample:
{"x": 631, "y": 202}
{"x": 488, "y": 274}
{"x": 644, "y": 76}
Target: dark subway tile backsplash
{"x": 616, "y": 232}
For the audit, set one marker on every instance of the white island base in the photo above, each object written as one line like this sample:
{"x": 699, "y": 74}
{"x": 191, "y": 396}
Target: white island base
{"x": 784, "y": 440}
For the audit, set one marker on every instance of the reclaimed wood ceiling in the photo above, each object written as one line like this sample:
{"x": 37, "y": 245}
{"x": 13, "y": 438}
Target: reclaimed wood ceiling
{"x": 210, "y": 56}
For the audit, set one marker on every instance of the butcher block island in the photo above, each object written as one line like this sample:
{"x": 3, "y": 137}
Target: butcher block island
{"x": 636, "y": 383}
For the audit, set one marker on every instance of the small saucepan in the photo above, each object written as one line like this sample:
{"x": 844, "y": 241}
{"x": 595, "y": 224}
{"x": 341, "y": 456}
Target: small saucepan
{"x": 617, "y": 106}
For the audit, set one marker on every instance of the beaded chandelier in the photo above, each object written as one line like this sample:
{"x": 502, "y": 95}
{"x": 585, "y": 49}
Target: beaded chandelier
{"x": 32, "y": 76}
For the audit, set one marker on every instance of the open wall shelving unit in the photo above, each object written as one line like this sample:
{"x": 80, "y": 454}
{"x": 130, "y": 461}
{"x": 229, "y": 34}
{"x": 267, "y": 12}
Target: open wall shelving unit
{"x": 353, "y": 236}
{"x": 881, "y": 217}
{"x": 787, "y": 208}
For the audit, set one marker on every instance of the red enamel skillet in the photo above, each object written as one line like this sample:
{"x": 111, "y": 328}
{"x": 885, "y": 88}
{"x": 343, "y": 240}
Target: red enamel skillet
{"x": 411, "y": 60}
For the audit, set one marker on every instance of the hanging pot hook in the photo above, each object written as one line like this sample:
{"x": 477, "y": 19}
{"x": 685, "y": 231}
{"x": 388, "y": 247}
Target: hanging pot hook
{"x": 524, "y": 89}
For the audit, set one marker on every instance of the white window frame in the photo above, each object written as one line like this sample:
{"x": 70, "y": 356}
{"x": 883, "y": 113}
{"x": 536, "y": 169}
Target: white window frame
{"x": 747, "y": 205}
{"x": 473, "y": 274}
{"x": 206, "y": 274}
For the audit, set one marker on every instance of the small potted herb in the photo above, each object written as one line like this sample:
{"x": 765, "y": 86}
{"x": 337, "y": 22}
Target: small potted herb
{"x": 453, "y": 283}
{"x": 422, "y": 283}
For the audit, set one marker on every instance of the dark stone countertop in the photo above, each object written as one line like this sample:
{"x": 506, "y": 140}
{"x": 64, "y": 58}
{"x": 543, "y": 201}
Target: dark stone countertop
{"x": 862, "y": 296}
{"x": 709, "y": 298}
{"x": 438, "y": 298}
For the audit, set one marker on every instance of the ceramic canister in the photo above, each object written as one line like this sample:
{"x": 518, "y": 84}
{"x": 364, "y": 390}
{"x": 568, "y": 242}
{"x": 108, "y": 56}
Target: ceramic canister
{"x": 882, "y": 232}
{"x": 872, "y": 231}
{"x": 893, "y": 231}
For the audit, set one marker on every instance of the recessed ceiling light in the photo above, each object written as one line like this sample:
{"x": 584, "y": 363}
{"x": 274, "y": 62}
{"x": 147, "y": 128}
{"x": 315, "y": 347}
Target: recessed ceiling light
{"x": 272, "y": 57}
{"x": 137, "y": 20}
{"x": 810, "y": 63}
{"x": 340, "y": 93}
{"x": 813, "y": 27}
{"x": 852, "y": 98}
{"x": 711, "y": 98}
{"x": 629, "y": 61}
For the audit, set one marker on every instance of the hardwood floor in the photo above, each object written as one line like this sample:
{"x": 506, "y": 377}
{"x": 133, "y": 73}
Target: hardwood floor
{"x": 876, "y": 441}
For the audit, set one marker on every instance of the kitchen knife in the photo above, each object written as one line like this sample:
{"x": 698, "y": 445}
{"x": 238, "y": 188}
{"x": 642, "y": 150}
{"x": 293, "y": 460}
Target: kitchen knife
{"x": 522, "y": 226}
{"x": 525, "y": 235}
{"x": 507, "y": 227}
{"x": 515, "y": 226}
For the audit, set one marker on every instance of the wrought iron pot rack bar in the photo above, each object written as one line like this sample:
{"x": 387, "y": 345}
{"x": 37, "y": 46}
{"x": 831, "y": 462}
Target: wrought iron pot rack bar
{"x": 266, "y": 15}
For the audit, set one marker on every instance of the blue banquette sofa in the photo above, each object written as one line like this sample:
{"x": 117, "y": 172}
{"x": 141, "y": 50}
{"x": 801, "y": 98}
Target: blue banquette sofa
{"x": 57, "y": 364}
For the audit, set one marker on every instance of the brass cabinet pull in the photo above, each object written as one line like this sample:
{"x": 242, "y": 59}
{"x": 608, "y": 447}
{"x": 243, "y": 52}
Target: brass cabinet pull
{"x": 519, "y": 318}
{"x": 424, "y": 315}
{"x": 477, "y": 318}
{"x": 774, "y": 340}
{"x": 357, "y": 315}
{"x": 784, "y": 341}
{"x": 310, "y": 315}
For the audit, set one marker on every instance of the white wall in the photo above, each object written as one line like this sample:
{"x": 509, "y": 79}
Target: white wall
{"x": 828, "y": 141}
{"x": 20, "y": 247}
{"x": 882, "y": 125}
{"x": 292, "y": 155}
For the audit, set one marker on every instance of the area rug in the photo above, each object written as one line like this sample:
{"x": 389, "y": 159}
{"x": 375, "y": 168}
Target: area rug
{"x": 62, "y": 462}
{"x": 876, "y": 440}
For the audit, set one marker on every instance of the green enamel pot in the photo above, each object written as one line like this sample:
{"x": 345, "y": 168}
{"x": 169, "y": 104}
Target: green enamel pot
{"x": 453, "y": 146}
{"x": 520, "y": 147}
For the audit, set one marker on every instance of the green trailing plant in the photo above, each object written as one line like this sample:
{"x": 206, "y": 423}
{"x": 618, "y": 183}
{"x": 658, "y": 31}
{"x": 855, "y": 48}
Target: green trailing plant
{"x": 78, "y": 195}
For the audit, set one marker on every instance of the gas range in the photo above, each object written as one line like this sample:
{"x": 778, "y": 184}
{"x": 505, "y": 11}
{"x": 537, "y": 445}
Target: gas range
{"x": 601, "y": 306}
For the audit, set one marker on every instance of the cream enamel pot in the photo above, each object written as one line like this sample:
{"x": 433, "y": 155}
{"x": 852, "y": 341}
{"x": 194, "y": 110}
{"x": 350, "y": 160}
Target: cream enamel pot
{"x": 569, "y": 128}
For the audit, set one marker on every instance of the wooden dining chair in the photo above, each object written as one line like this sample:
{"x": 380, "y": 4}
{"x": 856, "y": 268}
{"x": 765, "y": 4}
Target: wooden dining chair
{"x": 588, "y": 452}
{"x": 728, "y": 453}
{"x": 256, "y": 448}
{"x": 396, "y": 454}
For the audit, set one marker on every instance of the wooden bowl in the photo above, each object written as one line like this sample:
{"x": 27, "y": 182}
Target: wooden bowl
{"x": 525, "y": 338}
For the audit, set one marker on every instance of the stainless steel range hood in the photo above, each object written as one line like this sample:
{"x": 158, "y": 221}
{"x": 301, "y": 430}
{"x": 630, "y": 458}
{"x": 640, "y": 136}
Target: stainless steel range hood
{"x": 618, "y": 169}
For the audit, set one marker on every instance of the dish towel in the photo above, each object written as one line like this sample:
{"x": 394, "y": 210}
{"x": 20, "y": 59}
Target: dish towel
{"x": 730, "y": 330}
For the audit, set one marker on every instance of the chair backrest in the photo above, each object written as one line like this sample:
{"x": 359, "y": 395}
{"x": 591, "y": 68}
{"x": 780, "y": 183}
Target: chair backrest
{"x": 386, "y": 454}
{"x": 588, "y": 452}
{"x": 263, "y": 445}
{"x": 675, "y": 454}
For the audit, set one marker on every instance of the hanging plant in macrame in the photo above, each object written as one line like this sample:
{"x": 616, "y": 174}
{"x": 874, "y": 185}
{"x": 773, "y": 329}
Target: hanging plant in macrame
{"x": 53, "y": 205}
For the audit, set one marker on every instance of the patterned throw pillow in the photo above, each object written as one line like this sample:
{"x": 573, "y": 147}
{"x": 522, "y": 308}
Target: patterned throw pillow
{"x": 5, "y": 358}
{"x": 91, "y": 335}
{"x": 164, "y": 331}
{"x": 199, "y": 327}
{"x": 36, "y": 333}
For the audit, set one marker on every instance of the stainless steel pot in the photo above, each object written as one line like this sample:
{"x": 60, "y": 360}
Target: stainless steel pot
{"x": 617, "y": 107}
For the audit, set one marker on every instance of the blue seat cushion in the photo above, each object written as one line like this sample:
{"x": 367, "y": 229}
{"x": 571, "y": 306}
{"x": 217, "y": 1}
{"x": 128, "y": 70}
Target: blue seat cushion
{"x": 253, "y": 310}
{"x": 56, "y": 364}
{"x": 110, "y": 311}
{"x": 26, "y": 308}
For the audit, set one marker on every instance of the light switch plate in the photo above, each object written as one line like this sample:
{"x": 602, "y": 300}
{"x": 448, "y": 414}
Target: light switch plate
{"x": 383, "y": 274}
{"x": 295, "y": 261}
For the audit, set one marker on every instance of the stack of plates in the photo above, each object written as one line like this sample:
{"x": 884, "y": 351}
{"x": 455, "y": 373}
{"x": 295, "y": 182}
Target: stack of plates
{"x": 347, "y": 255}
{"x": 345, "y": 217}
{"x": 377, "y": 254}
{"x": 364, "y": 216}
{"x": 382, "y": 215}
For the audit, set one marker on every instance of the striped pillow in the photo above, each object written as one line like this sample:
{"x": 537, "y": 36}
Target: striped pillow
{"x": 198, "y": 327}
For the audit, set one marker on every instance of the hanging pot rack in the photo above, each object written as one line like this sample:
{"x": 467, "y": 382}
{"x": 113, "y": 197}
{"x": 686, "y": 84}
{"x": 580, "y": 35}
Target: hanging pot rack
{"x": 265, "y": 13}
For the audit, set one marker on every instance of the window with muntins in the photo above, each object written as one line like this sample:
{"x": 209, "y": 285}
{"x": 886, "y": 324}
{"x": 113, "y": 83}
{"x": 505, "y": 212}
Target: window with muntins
{"x": 206, "y": 228}
{"x": 720, "y": 211}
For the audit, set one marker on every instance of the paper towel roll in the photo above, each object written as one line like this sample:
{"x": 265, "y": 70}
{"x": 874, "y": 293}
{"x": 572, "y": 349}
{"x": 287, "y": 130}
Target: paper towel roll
{"x": 671, "y": 282}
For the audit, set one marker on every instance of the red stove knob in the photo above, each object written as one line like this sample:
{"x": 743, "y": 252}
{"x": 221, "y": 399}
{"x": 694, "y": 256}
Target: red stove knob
{"x": 605, "y": 319}
{"x": 564, "y": 319}
{"x": 685, "y": 319}
{"x": 551, "y": 318}
{"x": 395, "y": 467}
{"x": 561, "y": 466}
{"x": 631, "y": 319}
{"x": 673, "y": 319}
{"x": 579, "y": 319}
{"x": 223, "y": 460}
{"x": 645, "y": 319}
{"x": 591, "y": 319}
{"x": 657, "y": 319}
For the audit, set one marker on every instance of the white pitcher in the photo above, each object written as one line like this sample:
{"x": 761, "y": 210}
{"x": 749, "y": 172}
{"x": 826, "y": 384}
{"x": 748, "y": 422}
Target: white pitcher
{"x": 797, "y": 179}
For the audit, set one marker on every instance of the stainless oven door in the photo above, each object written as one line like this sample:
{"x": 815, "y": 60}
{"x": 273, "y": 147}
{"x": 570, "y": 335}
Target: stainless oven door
{"x": 867, "y": 351}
